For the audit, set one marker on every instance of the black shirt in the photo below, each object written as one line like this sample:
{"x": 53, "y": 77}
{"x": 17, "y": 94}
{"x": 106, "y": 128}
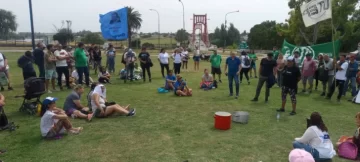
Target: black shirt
{"x": 144, "y": 56}
{"x": 97, "y": 55}
{"x": 26, "y": 63}
{"x": 267, "y": 67}
{"x": 290, "y": 76}
{"x": 39, "y": 57}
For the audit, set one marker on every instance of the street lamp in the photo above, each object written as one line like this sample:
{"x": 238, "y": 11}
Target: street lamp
{"x": 183, "y": 17}
{"x": 32, "y": 25}
{"x": 225, "y": 27}
{"x": 158, "y": 25}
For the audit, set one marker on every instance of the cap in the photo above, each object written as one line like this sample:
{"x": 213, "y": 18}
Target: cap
{"x": 290, "y": 58}
{"x": 48, "y": 100}
{"x": 298, "y": 155}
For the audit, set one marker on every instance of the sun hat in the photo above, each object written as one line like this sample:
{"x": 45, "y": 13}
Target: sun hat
{"x": 49, "y": 100}
{"x": 298, "y": 155}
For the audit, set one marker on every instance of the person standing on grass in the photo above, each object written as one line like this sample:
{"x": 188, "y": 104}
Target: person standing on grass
{"x": 266, "y": 73}
{"x": 319, "y": 63}
{"x": 245, "y": 66}
{"x": 351, "y": 76}
{"x": 297, "y": 59}
{"x": 50, "y": 68}
{"x": 291, "y": 76}
{"x": 97, "y": 58}
{"x": 233, "y": 63}
{"x": 177, "y": 56}
{"x": 185, "y": 59}
{"x": 278, "y": 70}
{"x": 54, "y": 121}
{"x": 4, "y": 67}
{"x": 61, "y": 66}
{"x": 340, "y": 78}
{"x": 81, "y": 64}
{"x": 73, "y": 107}
{"x": 327, "y": 73}
{"x": 308, "y": 71}
{"x": 26, "y": 63}
{"x": 145, "y": 63}
{"x": 164, "y": 61}
{"x": 196, "y": 59}
{"x": 253, "y": 57}
{"x": 130, "y": 58}
{"x": 39, "y": 59}
{"x": 111, "y": 54}
{"x": 216, "y": 60}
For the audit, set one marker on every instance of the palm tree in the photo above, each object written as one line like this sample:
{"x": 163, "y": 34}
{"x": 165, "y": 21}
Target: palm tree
{"x": 134, "y": 22}
{"x": 7, "y": 23}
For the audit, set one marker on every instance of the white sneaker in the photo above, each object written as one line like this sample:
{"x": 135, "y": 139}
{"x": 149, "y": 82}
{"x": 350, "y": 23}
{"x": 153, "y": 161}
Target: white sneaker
{"x": 49, "y": 91}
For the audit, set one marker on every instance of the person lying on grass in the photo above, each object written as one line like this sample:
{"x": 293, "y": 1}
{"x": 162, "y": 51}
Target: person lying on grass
{"x": 170, "y": 80}
{"x": 54, "y": 121}
{"x": 102, "y": 108}
{"x": 104, "y": 76}
{"x": 316, "y": 139}
{"x": 73, "y": 107}
{"x": 207, "y": 80}
{"x": 180, "y": 87}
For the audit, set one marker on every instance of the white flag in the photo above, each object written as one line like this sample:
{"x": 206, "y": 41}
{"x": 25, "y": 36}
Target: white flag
{"x": 316, "y": 11}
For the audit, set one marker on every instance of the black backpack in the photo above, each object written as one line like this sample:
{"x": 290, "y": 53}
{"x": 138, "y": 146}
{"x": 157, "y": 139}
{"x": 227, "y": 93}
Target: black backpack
{"x": 4, "y": 123}
{"x": 247, "y": 61}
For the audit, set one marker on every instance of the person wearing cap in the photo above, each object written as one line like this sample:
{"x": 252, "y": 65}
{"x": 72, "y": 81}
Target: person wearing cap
{"x": 111, "y": 54}
{"x": 340, "y": 78}
{"x": 316, "y": 139}
{"x": 351, "y": 75}
{"x": 72, "y": 104}
{"x": 180, "y": 87}
{"x": 25, "y": 62}
{"x": 299, "y": 155}
{"x": 54, "y": 121}
{"x": 39, "y": 59}
{"x": 266, "y": 72}
{"x": 291, "y": 76}
{"x": 308, "y": 71}
{"x": 233, "y": 63}
{"x": 328, "y": 73}
{"x": 145, "y": 63}
{"x": 61, "y": 65}
{"x": 81, "y": 63}
{"x": 319, "y": 64}
{"x": 130, "y": 58}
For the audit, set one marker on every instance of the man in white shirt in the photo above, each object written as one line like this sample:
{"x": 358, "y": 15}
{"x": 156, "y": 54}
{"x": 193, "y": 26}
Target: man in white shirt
{"x": 340, "y": 78}
{"x": 245, "y": 64}
{"x": 61, "y": 65}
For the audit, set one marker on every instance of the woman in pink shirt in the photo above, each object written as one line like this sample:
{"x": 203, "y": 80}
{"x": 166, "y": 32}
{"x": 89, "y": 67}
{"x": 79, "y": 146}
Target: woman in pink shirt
{"x": 308, "y": 71}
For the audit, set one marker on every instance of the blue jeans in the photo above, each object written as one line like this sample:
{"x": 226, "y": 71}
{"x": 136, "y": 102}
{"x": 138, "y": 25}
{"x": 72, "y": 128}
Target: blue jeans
{"x": 81, "y": 71}
{"x": 111, "y": 63}
{"x": 235, "y": 77}
{"x": 353, "y": 86}
{"x": 308, "y": 148}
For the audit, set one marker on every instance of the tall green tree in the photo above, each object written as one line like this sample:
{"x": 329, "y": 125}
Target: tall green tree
{"x": 181, "y": 35}
{"x": 134, "y": 22}
{"x": 264, "y": 36}
{"x": 7, "y": 23}
{"x": 231, "y": 35}
{"x": 93, "y": 38}
{"x": 63, "y": 36}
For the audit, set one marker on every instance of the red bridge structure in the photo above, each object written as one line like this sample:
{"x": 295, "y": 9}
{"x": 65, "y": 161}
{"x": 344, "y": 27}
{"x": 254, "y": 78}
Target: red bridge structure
{"x": 200, "y": 22}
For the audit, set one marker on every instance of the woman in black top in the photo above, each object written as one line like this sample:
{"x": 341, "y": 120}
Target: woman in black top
{"x": 97, "y": 58}
{"x": 145, "y": 63}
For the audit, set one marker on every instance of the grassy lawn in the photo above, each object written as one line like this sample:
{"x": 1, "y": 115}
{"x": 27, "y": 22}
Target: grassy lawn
{"x": 172, "y": 129}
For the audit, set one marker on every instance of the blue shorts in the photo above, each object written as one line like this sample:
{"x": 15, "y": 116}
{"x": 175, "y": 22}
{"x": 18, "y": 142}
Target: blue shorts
{"x": 196, "y": 58}
{"x": 50, "y": 74}
{"x": 253, "y": 66}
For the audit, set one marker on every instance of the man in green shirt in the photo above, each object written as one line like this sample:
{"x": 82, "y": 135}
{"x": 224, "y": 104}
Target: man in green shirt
{"x": 81, "y": 63}
{"x": 253, "y": 58}
{"x": 215, "y": 60}
{"x": 275, "y": 52}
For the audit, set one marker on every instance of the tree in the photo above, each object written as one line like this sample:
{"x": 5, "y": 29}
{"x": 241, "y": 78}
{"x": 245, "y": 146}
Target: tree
{"x": 63, "y": 36}
{"x": 82, "y": 33}
{"x": 181, "y": 35}
{"x": 7, "y": 23}
{"x": 93, "y": 38}
{"x": 134, "y": 22}
{"x": 265, "y": 36}
{"x": 232, "y": 36}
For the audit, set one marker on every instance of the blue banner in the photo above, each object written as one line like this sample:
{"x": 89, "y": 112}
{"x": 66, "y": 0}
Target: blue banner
{"x": 114, "y": 25}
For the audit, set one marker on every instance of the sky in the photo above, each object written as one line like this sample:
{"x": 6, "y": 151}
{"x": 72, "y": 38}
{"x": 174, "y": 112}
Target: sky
{"x": 84, "y": 14}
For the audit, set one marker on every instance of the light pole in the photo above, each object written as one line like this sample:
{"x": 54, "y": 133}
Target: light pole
{"x": 225, "y": 28}
{"x": 183, "y": 17}
{"x": 32, "y": 25}
{"x": 158, "y": 25}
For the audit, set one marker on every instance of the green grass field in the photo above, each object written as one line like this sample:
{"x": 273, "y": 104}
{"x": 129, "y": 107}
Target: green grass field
{"x": 172, "y": 129}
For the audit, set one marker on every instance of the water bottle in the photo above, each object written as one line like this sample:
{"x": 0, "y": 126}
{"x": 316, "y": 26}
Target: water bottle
{"x": 278, "y": 116}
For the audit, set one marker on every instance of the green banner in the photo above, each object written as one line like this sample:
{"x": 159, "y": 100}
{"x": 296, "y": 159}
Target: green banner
{"x": 325, "y": 48}
{"x": 243, "y": 45}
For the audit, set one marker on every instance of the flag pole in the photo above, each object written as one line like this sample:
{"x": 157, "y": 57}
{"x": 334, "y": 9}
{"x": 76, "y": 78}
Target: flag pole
{"x": 333, "y": 44}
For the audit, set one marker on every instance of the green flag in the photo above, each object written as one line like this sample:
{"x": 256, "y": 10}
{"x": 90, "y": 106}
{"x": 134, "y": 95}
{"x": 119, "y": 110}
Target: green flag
{"x": 325, "y": 48}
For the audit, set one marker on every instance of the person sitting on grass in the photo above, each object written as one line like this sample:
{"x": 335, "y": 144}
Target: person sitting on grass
{"x": 170, "y": 80}
{"x": 54, "y": 121}
{"x": 316, "y": 139}
{"x": 104, "y": 76}
{"x": 73, "y": 107}
{"x": 207, "y": 80}
{"x": 354, "y": 139}
{"x": 101, "y": 108}
{"x": 88, "y": 97}
{"x": 180, "y": 87}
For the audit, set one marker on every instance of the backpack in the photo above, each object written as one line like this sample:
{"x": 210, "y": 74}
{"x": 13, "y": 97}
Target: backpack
{"x": 247, "y": 61}
{"x": 4, "y": 123}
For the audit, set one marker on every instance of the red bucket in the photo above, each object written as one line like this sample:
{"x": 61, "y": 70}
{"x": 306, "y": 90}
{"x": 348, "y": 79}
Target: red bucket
{"x": 222, "y": 120}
